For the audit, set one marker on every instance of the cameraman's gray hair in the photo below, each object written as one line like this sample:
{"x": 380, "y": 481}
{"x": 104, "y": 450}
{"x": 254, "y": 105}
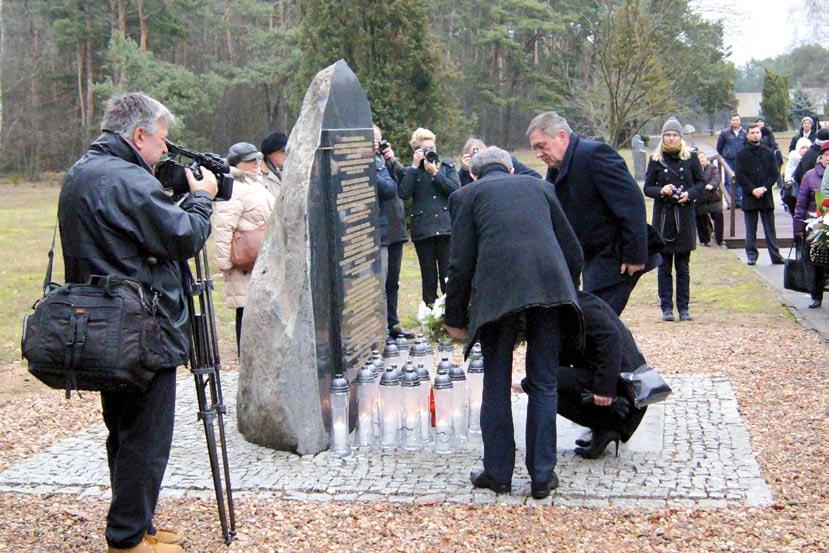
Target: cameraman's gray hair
{"x": 549, "y": 123}
{"x": 129, "y": 111}
{"x": 489, "y": 156}
{"x": 473, "y": 143}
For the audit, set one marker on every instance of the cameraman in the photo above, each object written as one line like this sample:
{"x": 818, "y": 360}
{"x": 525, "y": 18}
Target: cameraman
{"x": 674, "y": 179}
{"x": 116, "y": 219}
{"x": 428, "y": 182}
{"x": 475, "y": 145}
{"x": 393, "y": 211}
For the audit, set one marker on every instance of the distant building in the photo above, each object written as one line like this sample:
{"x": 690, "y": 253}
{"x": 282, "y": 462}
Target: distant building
{"x": 748, "y": 103}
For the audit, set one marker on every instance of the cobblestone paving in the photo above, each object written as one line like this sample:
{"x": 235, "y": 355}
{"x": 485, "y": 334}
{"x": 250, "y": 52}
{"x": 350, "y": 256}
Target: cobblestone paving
{"x": 699, "y": 454}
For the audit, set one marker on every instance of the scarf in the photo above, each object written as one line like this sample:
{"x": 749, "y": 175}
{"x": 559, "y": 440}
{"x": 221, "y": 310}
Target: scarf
{"x": 671, "y": 150}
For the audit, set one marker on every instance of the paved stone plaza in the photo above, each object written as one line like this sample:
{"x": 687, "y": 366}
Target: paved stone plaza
{"x": 692, "y": 450}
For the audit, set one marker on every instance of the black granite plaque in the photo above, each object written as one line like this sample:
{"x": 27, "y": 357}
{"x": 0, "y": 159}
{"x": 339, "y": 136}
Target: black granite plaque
{"x": 349, "y": 308}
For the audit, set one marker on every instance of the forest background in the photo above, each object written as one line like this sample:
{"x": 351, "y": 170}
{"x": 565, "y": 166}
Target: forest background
{"x": 236, "y": 70}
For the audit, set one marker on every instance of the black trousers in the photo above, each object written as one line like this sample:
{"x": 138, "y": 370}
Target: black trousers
{"x": 393, "y": 283}
{"x": 497, "y": 342}
{"x": 138, "y": 446}
{"x": 572, "y": 381}
{"x": 665, "y": 281}
{"x": 617, "y": 295}
{"x": 767, "y": 218}
{"x": 819, "y": 282}
{"x": 239, "y": 312}
{"x": 433, "y": 258}
{"x": 704, "y": 222}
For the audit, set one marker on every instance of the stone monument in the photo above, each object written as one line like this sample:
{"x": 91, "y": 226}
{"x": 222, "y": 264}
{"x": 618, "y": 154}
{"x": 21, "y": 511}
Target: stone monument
{"x": 640, "y": 157}
{"x": 315, "y": 305}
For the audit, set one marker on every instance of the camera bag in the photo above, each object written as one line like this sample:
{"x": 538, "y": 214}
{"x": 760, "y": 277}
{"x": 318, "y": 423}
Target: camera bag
{"x": 103, "y": 335}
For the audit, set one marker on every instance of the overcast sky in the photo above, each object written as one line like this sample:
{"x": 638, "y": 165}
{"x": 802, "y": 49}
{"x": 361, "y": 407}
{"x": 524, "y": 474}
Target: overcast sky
{"x": 755, "y": 28}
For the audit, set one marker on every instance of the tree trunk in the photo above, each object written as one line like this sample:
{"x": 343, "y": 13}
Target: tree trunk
{"x": 90, "y": 101}
{"x": 2, "y": 60}
{"x": 228, "y": 36}
{"x": 142, "y": 25}
{"x": 33, "y": 165}
{"x": 81, "y": 96}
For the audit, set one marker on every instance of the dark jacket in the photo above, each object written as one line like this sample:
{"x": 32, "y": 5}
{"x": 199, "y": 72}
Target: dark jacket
{"x": 755, "y": 167}
{"x": 728, "y": 144}
{"x": 430, "y": 214}
{"x": 394, "y": 209}
{"x": 605, "y": 207}
{"x": 806, "y": 203}
{"x": 711, "y": 200}
{"x": 807, "y": 162}
{"x": 512, "y": 248}
{"x": 386, "y": 191}
{"x": 768, "y": 140}
{"x": 677, "y": 223}
{"x": 609, "y": 347}
{"x": 811, "y": 136}
{"x": 115, "y": 216}
{"x": 518, "y": 169}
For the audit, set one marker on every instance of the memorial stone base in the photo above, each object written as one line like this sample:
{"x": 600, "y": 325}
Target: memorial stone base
{"x": 691, "y": 451}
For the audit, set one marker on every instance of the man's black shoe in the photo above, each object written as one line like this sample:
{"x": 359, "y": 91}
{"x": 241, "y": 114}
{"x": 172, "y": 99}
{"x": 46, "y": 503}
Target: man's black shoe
{"x": 397, "y": 332}
{"x": 481, "y": 479}
{"x": 778, "y": 262}
{"x": 751, "y": 262}
{"x": 543, "y": 489}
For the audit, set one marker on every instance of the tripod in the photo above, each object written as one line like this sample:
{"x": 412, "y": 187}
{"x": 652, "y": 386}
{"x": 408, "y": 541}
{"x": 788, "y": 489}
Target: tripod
{"x": 205, "y": 366}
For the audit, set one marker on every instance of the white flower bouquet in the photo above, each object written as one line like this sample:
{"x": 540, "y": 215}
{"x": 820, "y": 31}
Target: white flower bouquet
{"x": 431, "y": 320}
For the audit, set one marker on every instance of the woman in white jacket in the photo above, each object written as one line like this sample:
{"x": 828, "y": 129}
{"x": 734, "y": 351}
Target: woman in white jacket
{"x": 247, "y": 211}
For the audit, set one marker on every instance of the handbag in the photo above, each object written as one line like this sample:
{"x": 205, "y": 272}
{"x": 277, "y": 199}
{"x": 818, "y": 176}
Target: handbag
{"x": 103, "y": 335}
{"x": 798, "y": 273}
{"x": 245, "y": 246}
{"x": 645, "y": 386}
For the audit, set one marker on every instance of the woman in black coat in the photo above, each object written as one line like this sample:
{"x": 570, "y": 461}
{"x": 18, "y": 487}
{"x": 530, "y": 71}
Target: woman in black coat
{"x": 428, "y": 182}
{"x": 674, "y": 180}
{"x": 709, "y": 206}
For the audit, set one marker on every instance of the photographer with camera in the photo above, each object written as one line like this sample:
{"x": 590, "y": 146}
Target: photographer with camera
{"x": 674, "y": 180}
{"x": 239, "y": 226}
{"x": 116, "y": 220}
{"x": 475, "y": 145}
{"x": 429, "y": 182}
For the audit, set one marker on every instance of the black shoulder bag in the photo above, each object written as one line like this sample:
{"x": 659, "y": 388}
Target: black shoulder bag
{"x": 98, "y": 336}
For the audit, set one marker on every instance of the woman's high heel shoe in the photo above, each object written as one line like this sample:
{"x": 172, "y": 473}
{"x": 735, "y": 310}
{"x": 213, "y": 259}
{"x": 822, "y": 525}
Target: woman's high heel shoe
{"x": 601, "y": 439}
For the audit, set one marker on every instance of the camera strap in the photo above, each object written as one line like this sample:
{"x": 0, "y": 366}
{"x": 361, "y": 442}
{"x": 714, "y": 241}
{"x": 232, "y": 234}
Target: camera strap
{"x": 48, "y": 279}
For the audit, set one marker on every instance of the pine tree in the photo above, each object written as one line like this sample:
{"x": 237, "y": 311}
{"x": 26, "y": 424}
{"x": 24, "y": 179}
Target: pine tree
{"x": 800, "y": 107}
{"x": 775, "y": 103}
{"x": 391, "y": 49}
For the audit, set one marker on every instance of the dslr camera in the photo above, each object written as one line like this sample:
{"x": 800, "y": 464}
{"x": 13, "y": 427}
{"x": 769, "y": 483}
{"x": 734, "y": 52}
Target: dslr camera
{"x": 431, "y": 156}
{"x": 170, "y": 172}
{"x": 383, "y": 145}
{"x": 677, "y": 195}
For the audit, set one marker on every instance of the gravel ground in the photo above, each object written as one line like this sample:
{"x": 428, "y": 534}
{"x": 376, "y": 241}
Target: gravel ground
{"x": 777, "y": 369}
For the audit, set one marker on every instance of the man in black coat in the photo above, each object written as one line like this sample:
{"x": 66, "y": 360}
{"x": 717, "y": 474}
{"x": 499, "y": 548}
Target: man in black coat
{"x": 514, "y": 264}
{"x": 394, "y": 212}
{"x": 115, "y": 219}
{"x": 603, "y": 203}
{"x": 475, "y": 145}
{"x": 756, "y": 172}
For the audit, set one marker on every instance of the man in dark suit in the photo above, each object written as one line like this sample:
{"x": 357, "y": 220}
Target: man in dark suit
{"x": 603, "y": 203}
{"x": 756, "y": 172}
{"x": 514, "y": 265}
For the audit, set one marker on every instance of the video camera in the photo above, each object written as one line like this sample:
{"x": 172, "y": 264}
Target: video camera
{"x": 170, "y": 172}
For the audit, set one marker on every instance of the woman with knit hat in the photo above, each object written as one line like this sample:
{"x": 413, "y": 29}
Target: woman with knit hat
{"x": 674, "y": 179}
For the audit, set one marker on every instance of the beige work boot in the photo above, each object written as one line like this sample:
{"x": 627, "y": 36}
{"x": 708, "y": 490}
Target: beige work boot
{"x": 166, "y": 535}
{"x": 149, "y": 544}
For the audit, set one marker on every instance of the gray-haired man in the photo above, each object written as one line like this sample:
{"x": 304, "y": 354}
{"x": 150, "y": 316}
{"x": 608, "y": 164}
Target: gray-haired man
{"x": 512, "y": 245}
{"x": 603, "y": 204}
{"x": 132, "y": 229}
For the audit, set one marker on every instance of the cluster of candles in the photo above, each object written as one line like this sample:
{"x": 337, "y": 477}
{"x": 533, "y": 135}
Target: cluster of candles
{"x": 406, "y": 400}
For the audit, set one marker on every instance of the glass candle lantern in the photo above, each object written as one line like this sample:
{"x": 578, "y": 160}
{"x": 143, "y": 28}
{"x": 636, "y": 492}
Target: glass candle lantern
{"x": 444, "y": 436}
{"x": 391, "y": 355}
{"x": 446, "y": 349}
{"x": 460, "y": 403}
{"x": 418, "y": 352}
{"x": 425, "y": 408}
{"x": 366, "y": 403}
{"x": 377, "y": 366}
{"x": 410, "y": 389}
{"x": 403, "y": 349}
{"x": 475, "y": 381}
{"x": 339, "y": 416}
{"x": 389, "y": 409}
{"x": 444, "y": 364}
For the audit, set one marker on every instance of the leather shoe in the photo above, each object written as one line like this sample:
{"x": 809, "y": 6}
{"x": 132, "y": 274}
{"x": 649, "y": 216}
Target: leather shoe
{"x": 815, "y": 304}
{"x": 166, "y": 535}
{"x": 149, "y": 545}
{"x": 685, "y": 316}
{"x": 751, "y": 262}
{"x": 541, "y": 490}
{"x": 481, "y": 479}
{"x": 667, "y": 316}
{"x": 397, "y": 332}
